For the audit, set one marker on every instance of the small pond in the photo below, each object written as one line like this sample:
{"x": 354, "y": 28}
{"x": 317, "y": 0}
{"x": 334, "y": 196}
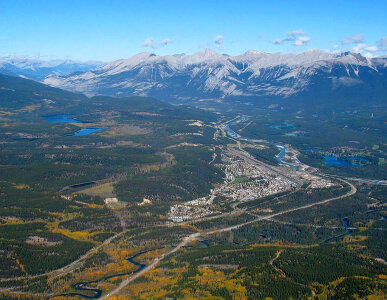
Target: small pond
{"x": 87, "y": 131}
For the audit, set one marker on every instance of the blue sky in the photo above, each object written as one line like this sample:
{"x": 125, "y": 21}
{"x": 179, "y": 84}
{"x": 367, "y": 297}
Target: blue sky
{"x": 109, "y": 30}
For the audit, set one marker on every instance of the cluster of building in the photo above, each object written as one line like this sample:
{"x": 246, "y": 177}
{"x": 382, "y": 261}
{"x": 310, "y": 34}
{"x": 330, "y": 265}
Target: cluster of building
{"x": 254, "y": 189}
{"x": 244, "y": 181}
{"x": 194, "y": 209}
{"x": 321, "y": 183}
{"x": 253, "y": 181}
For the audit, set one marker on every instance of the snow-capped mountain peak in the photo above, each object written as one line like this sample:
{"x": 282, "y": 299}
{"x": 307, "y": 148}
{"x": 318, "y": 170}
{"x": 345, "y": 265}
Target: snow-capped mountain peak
{"x": 210, "y": 74}
{"x": 39, "y": 69}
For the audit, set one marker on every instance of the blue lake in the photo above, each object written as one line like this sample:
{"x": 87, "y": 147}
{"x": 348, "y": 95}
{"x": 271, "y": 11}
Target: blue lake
{"x": 68, "y": 119}
{"x": 62, "y": 119}
{"x": 344, "y": 162}
{"x": 358, "y": 158}
{"x": 86, "y": 131}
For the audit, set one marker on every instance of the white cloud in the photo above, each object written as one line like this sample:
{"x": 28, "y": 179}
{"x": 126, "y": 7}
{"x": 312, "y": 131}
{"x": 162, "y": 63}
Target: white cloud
{"x": 354, "y": 39}
{"x": 297, "y": 36}
{"x": 281, "y": 41}
{"x": 371, "y": 48}
{"x": 296, "y": 32}
{"x": 366, "y": 50}
{"x": 166, "y": 41}
{"x": 382, "y": 43}
{"x": 302, "y": 41}
{"x": 149, "y": 42}
{"x": 335, "y": 49}
{"x": 359, "y": 47}
{"x": 218, "y": 41}
{"x": 368, "y": 55}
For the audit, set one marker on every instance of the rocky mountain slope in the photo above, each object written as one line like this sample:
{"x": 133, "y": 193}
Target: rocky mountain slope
{"x": 208, "y": 74}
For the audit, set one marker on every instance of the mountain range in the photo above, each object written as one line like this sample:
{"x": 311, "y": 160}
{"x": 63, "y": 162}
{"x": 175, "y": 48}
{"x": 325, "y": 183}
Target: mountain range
{"x": 315, "y": 74}
{"x": 208, "y": 75}
{"x": 36, "y": 69}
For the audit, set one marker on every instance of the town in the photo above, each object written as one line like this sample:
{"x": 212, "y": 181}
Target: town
{"x": 246, "y": 179}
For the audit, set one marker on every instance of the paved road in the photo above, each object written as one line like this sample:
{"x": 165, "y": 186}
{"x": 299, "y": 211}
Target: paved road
{"x": 70, "y": 267}
{"x": 195, "y": 236}
{"x": 368, "y": 181}
{"x": 350, "y": 193}
{"x": 244, "y": 155}
{"x": 272, "y": 169}
{"x": 125, "y": 282}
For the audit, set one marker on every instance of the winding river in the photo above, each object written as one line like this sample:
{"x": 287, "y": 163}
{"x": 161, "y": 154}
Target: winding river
{"x": 336, "y": 237}
{"x": 96, "y": 292}
{"x": 235, "y": 135}
{"x": 82, "y": 286}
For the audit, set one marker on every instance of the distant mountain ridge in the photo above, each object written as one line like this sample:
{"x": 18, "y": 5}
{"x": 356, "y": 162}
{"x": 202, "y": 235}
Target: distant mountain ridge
{"x": 36, "y": 69}
{"x": 208, "y": 74}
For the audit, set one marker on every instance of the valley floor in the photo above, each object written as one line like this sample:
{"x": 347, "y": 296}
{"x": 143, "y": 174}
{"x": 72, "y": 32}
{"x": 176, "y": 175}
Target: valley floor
{"x": 263, "y": 230}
